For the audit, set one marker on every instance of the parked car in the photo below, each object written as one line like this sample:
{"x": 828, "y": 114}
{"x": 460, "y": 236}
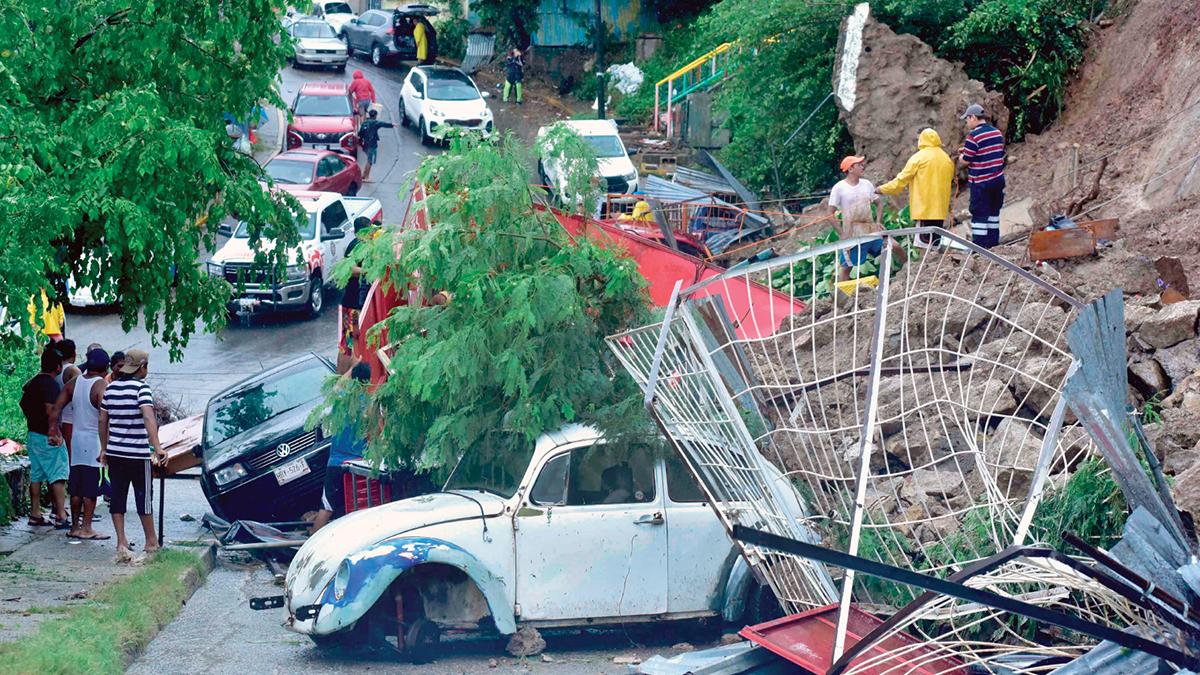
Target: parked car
{"x": 436, "y": 99}
{"x": 616, "y": 171}
{"x": 316, "y": 170}
{"x": 322, "y": 117}
{"x": 335, "y": 12}
{"x": 325, "y": 233}
{"x": 387, "y": 35}
{"x": 258, "y": 461}
{"x": 317, "y": 45}
{"x": 490, "y": 551}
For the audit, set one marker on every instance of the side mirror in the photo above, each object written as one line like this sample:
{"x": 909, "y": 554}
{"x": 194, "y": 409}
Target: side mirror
{"x": 354, "y": 21}
{"x": 486, "y": 94}
{"x": 333, "y": 233}
{"x": 418, "y": 94}
{"x": 225, "y": 230}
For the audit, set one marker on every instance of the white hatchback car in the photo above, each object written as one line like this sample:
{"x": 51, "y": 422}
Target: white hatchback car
{"x": 437, "y": 99}
{"x": 573, "y": 532}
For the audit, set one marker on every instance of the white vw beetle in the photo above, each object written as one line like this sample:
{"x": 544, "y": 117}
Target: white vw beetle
{"x": 575, "y": 532}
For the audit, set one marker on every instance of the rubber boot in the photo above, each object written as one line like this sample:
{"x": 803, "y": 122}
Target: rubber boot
{"x": 508, "y": 88}
{"x": 520, "y": 89}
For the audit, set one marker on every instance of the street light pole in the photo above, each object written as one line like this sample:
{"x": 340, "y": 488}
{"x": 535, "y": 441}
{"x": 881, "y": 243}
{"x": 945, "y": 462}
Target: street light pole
{"x": 600, "y": 63}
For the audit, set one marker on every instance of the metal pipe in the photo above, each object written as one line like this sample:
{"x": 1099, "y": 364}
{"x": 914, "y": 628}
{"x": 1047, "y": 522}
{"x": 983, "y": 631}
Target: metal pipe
{"x": 259, "y": 545}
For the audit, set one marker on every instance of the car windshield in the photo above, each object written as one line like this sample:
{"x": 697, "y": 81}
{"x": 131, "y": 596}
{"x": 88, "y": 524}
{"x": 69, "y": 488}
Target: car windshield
{"x": 308, "y": 229}
{"x": 314, "y": 29}
{"x": 452, "y": 90}
{"x": 496, "y": 466}
{"x": 246, "y": 409}
{"x": 323, "y": 106}
{"x": 606, "y": 146}
{"x": 337, "y": 8}
{"x": 294, "y": 171}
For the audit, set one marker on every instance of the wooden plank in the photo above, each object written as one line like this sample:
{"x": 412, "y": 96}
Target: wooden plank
{"x": 1057, "y": 244}
{"x": 1105, "y": 228}
{"x": 178, "y": 439}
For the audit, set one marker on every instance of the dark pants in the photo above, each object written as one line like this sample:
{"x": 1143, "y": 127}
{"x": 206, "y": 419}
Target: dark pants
{"x": 334, "y": 498}
{"x": 929, "y": 239}
{"x": 126, "y": 473}
{"x": 986, "y": 202}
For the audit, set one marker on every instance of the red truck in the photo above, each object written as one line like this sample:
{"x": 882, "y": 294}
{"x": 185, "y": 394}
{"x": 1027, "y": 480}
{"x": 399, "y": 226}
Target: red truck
{"x": 323, "y": 117}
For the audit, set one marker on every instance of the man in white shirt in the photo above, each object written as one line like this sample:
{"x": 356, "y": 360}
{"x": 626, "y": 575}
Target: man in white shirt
{"x": 852, "y": 199}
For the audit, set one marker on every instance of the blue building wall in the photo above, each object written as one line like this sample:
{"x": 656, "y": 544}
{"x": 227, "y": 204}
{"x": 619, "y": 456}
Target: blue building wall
{"x": 560, "y": 29}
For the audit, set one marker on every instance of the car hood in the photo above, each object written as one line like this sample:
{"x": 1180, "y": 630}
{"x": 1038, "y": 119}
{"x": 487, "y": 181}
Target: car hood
{"x": 319, "y": 557}
{"x": 615, "y": 166}
{"x": 266, "y": 435}
{"x": 338, "y": 20}
{"x": 459, "y": 110}
{"x": 238, "y": 250}
{"x": 321, "y": 43}
{"x": 314, "y": 124}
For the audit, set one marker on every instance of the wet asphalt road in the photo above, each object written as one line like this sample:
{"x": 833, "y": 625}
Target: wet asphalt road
{"x": 212, "y": 362}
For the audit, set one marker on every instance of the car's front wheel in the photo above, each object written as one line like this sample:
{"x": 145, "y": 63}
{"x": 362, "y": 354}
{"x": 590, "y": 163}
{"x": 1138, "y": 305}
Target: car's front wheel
{"x": 403, "y": 114}
{"x": 377, "y": 55}
{"x": 423, "y": 129}
{"x": 421, "y": 641}
{"x": 316, "y": 296}
{"x": 352, "y": 190}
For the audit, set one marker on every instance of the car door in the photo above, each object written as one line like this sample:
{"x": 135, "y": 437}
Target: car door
{"x": 333, "y": 247}
{"x": 356, "y": 33}
{"x": 321, "y": 179}
{"x": 339, "y": 174}
{"x": 698, "y": 548}
{"x": 408, "y": 93}
{"x": 591, "y": 541}
{"x": 374, "y": 32}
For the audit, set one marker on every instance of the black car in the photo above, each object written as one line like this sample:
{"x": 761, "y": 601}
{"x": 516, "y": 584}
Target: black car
{"x": 387, "y": 35}
{"x": 259, "y": 463}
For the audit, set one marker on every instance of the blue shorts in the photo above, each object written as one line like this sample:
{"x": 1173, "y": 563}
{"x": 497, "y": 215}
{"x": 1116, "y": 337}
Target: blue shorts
{"x": 372, "y": 153}
{"x": 47, "y": 463}
{"x": 853, "y": 257}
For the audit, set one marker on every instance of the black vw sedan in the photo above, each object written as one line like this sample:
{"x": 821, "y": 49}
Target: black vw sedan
{"x": 259, "y": 463}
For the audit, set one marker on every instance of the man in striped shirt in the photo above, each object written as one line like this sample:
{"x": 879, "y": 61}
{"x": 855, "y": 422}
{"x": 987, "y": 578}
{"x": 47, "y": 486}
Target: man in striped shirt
{"x": 983, "y": 155}
{"x": 128, "y": 431}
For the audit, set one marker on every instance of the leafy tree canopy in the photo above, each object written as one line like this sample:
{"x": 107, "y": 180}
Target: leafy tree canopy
{"x": 518, "y": 348}
{"x": 118, "y": 167}
{"x": 515, "y": 20}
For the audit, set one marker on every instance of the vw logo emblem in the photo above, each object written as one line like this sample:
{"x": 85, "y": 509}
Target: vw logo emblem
{"x": 283, "y": 450}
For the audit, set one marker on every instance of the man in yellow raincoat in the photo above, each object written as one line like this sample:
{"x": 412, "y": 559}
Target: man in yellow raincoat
{"x": 48, "y": 318}
{"x": 927, "y": 175}
{"x": 422, "y": 41}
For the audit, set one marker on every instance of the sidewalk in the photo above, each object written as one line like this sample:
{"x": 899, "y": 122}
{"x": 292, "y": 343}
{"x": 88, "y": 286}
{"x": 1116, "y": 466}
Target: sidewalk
{"x": 43, "y": 573}
{"x": 270, "y": 135}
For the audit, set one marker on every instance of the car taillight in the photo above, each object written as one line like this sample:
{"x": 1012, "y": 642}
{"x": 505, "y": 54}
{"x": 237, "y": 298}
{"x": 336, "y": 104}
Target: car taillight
{"x": 391, "y": 31}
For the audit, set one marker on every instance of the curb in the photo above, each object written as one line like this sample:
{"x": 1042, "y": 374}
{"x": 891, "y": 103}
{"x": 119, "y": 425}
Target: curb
{"x": 192, "y": 580}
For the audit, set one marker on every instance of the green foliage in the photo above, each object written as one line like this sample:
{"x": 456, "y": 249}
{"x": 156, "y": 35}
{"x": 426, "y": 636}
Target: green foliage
{"x": 452, "y": 28}
{"x": 1090, "y": 504}
{"x": 98, "y": 636}
{"x": 577, "y": 165}
{"x": 519, "y": 347}
{"x": 18, "y": 363}
{"x": 515, "y": 21}
{"x": 112, "y": 117}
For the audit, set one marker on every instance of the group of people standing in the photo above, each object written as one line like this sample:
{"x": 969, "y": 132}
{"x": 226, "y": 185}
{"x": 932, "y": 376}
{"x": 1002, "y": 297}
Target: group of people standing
{"x": 92, "y": 430}
{"x": 928, "y": 175}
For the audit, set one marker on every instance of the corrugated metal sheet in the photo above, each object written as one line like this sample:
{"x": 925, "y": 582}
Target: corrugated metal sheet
{"x": 480, "y": 51}
{"x": 560, "y": 25}
{"x": 1110, "y": 658}
{"x": 702, "y": 181}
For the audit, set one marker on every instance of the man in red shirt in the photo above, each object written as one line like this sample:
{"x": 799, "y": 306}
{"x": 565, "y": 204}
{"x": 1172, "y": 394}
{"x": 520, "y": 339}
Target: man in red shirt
{"x": 362, "y": 94}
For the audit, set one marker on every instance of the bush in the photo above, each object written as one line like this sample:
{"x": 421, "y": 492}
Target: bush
{"x": 18, "y": 363}
{"x": 452, "y": 28}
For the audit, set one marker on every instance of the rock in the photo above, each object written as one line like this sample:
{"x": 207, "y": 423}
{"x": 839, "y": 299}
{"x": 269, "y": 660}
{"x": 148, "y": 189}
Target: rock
{"x": 1135, "y": 316}
{"x": 1174, "y": 439}
{"x": 1186, "y": 491}
{"x": 527, "y": 641}
{"x": 1181, "y": 460}
{"x": 1044, "y": 320}
{"x": 1017, "y": 216}
{"x": 493, "y": 663}
{"x": 938, "y": 483}
{"x": 730, "y": 639}
{"x": 1170, "y": 325}
{"x": 1148, "y": 377}
{"x": 683, "y": 647}
{"x": 1010, "y": 455}
{"x": 1180, "y": 361}
{"x": 188, "y": 518}
{"x": 627, "y": 660}
{"x": 885, "y": 82}
{"x": 1186, "y": 394}
{"x": 546, "y": 658}
{"x": 1037, "y": 384}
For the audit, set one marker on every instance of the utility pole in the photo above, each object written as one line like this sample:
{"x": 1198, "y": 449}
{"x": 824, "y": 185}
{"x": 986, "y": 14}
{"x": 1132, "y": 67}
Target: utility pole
{"x": 600, "y": 63}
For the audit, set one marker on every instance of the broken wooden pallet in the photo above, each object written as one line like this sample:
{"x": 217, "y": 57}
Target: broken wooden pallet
{"x": 1072, "y": 242}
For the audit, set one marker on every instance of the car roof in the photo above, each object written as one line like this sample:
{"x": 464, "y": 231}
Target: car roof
{"x": 269, "y": 373}
{"x": 302, "y": 153}
{"x": 444, "y": 73}
{"x": 323, "y": 88}
{"x": 591, "y": 127}
{"x": 310, "y": 199}
{"x": 417, "y": 8}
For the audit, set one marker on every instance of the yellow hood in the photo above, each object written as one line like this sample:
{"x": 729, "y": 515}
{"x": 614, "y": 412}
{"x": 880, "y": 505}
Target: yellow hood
{"x": 929, "y": 139}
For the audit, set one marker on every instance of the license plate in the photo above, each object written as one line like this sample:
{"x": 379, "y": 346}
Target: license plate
{"x": 290, "y": 472}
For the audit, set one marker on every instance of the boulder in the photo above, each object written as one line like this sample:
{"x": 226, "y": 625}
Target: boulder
{"x": 1174, "y": 439}
{"x": 1047, "y": 321}
{"x": 1186, "y": 491}
{"x": 1037, "y": 384}
{"x": 1135, "y": 316}
{"x": 1180, "y": 361}
{"x": 1186, "y": 393}
{"x": 889, "y": 86}
{"x": 1148, "y": 377}
{"x": 1170, "y": 325}
{"x": 1010, "y": 454}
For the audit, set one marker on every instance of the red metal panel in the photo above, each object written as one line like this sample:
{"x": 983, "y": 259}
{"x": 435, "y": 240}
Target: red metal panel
{"x": 806, "y": 639}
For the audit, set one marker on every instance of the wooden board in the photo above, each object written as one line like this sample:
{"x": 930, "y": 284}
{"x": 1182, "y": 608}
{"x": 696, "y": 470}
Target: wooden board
{"x": 1058, "y": 244}
{"x": 1102, "y": 229}
{"x": 178, "y": 439}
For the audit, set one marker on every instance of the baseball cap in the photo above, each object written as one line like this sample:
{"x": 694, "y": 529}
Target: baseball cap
{"x": 97, "y": 359}
{"x": 134, "y": 360}
{"x": 851, "y": 160}
{"x": 974, "y": 109}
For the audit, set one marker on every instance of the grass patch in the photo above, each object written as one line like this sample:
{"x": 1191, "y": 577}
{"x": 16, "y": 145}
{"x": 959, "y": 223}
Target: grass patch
{"x": 95, "y": 638}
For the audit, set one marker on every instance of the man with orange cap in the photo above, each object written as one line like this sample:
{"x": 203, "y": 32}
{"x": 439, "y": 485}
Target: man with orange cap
{"x": 852, "y": 199}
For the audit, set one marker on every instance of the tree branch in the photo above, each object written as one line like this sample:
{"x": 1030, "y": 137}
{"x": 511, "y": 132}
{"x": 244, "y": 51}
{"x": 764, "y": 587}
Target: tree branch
{"x": 111, "y": 20}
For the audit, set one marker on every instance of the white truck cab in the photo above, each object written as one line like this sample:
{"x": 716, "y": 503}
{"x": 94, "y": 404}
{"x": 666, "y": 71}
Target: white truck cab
{"x": 325, "y": 234}
{"x": 615, "y": 170}
{"x": 573, "y": 532}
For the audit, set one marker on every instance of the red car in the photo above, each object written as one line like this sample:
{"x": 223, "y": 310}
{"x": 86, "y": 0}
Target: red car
{"x": 319, "y": 170}
{"x": 322, "y": 117}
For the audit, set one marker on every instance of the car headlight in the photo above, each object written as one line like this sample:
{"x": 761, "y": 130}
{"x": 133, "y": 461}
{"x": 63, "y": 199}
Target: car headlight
{"x": 433, "y": 111}
{"x": 631, "y": 176}
{"x": 215, "y": 269}
{"x": 229, "y": 474}
{"x": 297, "y": 272}
{"x": 341, "y": 580}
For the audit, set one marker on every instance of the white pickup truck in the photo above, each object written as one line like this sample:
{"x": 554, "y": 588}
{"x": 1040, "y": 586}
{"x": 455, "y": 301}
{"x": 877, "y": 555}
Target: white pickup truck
{"x": 324, "y": 236}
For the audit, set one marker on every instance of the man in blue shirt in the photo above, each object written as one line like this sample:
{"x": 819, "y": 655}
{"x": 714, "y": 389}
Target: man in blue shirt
{"x": 347, "y": 446}
{"x": 983, "y": 155}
